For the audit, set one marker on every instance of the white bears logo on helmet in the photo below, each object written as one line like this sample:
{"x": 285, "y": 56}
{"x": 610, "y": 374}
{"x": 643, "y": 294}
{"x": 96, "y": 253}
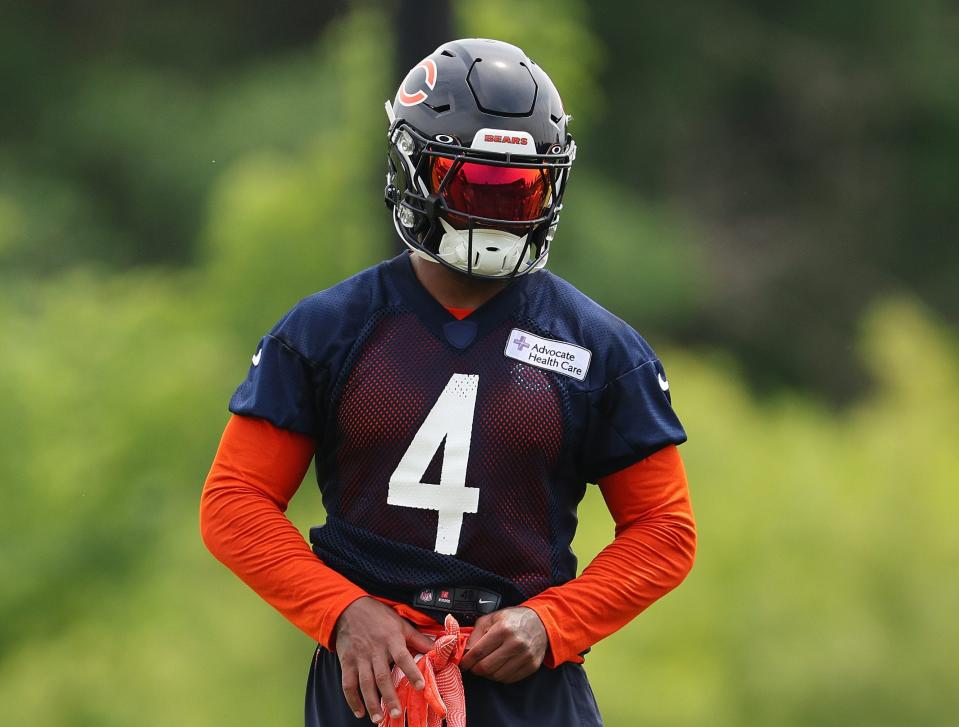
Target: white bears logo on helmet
{"x": 503, "y": 141}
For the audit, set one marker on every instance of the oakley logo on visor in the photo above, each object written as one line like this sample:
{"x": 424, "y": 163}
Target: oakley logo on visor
{"x": 501, "y": 140}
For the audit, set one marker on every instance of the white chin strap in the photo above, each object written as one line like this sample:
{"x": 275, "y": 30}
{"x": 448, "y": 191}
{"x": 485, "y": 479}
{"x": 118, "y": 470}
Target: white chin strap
{"x": 495, "y": 253}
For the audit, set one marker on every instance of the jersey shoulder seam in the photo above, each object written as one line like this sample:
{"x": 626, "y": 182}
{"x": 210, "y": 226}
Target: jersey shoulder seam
{"x": 289, "y": 347}
{"x": 617, "y": 377}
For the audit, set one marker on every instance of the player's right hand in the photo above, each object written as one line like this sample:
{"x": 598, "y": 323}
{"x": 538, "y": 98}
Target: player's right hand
{"x": 369, "y": 638}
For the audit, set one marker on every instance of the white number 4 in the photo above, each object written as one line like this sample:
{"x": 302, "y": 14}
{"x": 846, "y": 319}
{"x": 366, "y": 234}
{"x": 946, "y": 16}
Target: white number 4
{"x": 451, "y": 418}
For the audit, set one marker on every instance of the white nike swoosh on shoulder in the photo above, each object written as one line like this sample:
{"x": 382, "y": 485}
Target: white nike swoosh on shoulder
{"x": 663, "y": 384}
{"x": 256, "y": 357}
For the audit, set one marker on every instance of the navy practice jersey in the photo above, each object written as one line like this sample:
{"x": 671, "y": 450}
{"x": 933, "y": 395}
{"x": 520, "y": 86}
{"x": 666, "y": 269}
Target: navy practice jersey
{"x": 456, "y": 451}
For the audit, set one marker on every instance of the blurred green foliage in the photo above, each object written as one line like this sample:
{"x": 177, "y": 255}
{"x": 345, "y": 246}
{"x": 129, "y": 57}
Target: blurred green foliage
{"x": 815, "y": 143}
{"x": 822, "y": 592}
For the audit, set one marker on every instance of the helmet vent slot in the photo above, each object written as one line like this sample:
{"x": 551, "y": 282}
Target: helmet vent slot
{"x": 448, "y": 54}
{"x": 439, "y": 108}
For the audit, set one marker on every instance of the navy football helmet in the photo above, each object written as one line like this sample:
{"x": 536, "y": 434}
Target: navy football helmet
{"x": 478, "y": 157}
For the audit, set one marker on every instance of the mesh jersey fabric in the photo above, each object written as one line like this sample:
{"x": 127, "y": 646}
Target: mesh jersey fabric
{"x": 359, "y": 368}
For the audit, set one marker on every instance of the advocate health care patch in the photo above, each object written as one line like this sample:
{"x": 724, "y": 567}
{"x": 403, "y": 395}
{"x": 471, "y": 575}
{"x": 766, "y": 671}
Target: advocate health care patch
{"x": 545, "y": 353}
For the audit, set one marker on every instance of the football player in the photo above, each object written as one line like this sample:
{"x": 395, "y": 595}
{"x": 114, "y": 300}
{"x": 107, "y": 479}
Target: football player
{"x": 456, "y": 399}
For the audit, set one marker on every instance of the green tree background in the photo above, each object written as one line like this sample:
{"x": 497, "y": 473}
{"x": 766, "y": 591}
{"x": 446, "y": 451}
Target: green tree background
{"x": 764, "y": 189}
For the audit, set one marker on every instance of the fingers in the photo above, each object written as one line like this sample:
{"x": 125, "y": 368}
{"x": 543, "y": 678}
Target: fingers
{"x": 351, "y": 690}
{"x": 484, "y": 646}
{"x": 482, "y": 625}
{"x": 371, "y": 696}
{"x": 496, "y": 659}
{"x": 402, "y": 659}
{"x": 418, "y": 642}
{"x": 383, "y": 675}
{"x": 514, "y": 670}
{"x": 369, "y": 685}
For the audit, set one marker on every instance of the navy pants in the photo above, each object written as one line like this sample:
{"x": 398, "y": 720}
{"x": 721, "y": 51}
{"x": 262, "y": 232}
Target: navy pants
{"x": 549, "y": 698}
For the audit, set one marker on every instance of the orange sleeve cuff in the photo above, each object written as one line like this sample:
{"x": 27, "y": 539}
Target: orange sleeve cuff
{"x": 257, "y": 469}
{"x": 651, "y": 554}
{"x": 560, "y": 648}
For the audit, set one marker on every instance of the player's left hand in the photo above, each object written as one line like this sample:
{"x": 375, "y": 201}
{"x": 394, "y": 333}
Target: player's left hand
{"x": 506, "y": 645}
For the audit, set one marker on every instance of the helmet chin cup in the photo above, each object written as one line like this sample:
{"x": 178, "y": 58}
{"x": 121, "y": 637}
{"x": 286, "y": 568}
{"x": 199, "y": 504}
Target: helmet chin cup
{"x": 494, "y": 253}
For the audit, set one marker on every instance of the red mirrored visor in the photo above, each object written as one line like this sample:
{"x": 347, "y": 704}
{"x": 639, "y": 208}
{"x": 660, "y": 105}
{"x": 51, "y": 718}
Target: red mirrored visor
{"x": 512, "y": 194}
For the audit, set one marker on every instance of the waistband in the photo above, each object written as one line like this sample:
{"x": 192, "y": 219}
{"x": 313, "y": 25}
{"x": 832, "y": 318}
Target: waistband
{"x": 465, "y": 603}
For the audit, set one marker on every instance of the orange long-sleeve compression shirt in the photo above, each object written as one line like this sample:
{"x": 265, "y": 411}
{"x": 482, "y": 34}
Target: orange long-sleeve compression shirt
{"x": 258, "y": 467}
